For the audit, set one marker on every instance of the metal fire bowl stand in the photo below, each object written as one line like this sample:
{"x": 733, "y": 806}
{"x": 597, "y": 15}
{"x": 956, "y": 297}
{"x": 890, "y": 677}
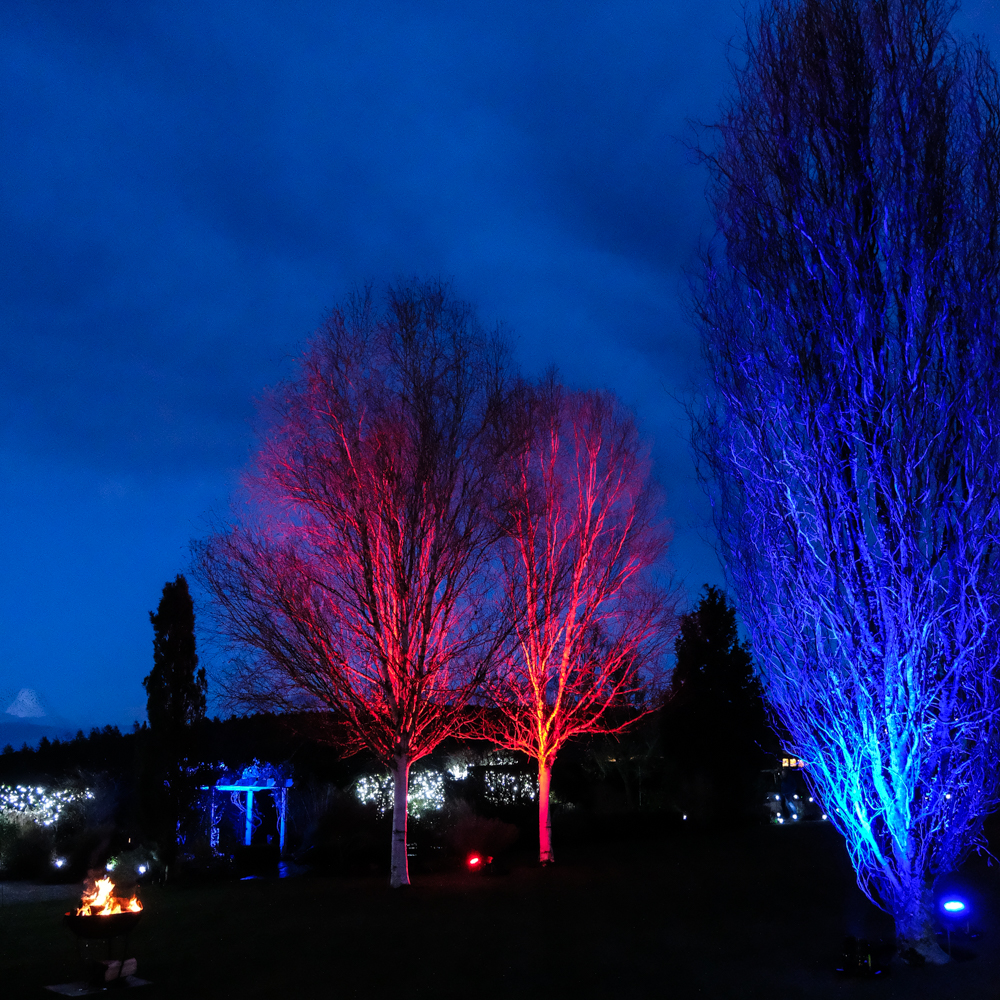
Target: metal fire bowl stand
{"x": 97, "y": 928}
{"x": 100, "y": 928}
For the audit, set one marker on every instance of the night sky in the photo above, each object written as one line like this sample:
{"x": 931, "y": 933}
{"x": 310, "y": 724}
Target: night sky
{"x": 187, "y": 188}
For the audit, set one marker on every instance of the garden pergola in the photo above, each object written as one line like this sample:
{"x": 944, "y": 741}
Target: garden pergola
{"x": 253, "y": 779}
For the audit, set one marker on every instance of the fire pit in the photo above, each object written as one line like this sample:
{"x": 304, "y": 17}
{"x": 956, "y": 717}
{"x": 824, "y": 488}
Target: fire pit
{"x": 99, "y": 927}
{"x": 103, "y": 915}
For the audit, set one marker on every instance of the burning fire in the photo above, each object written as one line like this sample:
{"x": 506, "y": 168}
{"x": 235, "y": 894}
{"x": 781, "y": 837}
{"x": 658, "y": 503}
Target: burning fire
{"x": 99, "y": 900}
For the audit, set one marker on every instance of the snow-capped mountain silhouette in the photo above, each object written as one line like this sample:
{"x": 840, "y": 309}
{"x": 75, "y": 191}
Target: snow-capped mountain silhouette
{"x": 25, "y": 720}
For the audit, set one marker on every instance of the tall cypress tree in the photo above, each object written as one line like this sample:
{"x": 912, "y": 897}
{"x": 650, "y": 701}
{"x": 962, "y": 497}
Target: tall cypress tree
{"x": 175, "y": 701}
{"x": 176, "y": 686}
{"x": 715, "y": 734}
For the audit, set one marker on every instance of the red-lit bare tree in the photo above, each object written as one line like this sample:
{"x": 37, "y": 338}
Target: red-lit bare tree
{"x": 356, "y": 562}
{"x": 582, "y": 543}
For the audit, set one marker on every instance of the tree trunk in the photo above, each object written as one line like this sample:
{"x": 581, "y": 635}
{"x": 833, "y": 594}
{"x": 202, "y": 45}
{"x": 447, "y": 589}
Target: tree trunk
{"x": 915, "y": 929}
{"x": 399, "y": 872}
{"x": 545, "y": 855}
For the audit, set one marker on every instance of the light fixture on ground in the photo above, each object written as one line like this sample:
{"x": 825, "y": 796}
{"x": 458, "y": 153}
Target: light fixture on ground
{"x": 955, "y": 915}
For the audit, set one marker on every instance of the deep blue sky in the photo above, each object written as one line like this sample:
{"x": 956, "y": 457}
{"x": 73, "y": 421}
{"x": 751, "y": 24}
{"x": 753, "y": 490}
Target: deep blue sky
{"x": 187, "y": 188}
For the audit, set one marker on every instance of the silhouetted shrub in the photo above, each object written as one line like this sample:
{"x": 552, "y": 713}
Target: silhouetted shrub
{"x": 349, "y": 837}
{"x": 26, "y": 849}
{"x": 468, "y": 832}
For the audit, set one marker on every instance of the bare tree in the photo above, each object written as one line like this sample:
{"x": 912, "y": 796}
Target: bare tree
{"x": 850, "y": 426}
{"x": 356, "y": 561}
{"x": 582, "y": 542}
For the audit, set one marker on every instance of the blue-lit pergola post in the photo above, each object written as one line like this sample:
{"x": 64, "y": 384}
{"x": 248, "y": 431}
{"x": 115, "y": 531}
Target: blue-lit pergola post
{"x": 276, "y": 788}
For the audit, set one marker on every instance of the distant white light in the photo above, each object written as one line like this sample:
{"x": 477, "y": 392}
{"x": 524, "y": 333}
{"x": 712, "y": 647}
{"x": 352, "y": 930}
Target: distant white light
{"x": 142, "y": 869}
{"x": 110, "y": 866}
{"x": 795, "y": 817}
{"x": 954, "y": 906}
{"x": 685, "y": 816}
{"x": 777, "y": 797}
{"x": 811, "y": 798}
{"x": 824, "y": 815}
{"x": 59, "y": 862}
{"x": 947, "y": 795}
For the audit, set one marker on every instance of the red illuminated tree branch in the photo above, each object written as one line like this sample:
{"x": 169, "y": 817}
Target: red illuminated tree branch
{"x": 356, "y": 563}
{"x": 581, "y": 545}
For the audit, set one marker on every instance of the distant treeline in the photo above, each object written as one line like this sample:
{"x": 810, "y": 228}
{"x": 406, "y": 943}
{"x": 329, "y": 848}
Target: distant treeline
{"x": 303, "y": 742}
{"x": 694, "y": 757}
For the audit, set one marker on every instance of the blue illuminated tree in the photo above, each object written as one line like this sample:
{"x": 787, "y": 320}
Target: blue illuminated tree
{"x": 849, "y": 427}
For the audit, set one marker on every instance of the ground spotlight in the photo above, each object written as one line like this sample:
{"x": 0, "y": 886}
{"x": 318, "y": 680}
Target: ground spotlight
{"x": 477, "y": 862}
{"x": 955, "y": 912}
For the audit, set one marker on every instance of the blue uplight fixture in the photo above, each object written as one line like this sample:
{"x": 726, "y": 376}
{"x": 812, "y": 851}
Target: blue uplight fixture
{"x": 954, "y": 907}
{"x": 955, "y": 914}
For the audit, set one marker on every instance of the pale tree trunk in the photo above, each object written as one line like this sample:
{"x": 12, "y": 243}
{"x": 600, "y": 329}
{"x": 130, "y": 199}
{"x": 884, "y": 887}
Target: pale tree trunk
{"x": 915, "y": 928}
{"x": 545, "y": 855}
{"x": 399, "y": 872}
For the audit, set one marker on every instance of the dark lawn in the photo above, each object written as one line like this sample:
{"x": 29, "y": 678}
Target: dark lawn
{"x": 743, "y": 914}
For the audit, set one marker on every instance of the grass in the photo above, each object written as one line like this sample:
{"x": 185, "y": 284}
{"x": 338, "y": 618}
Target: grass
{"x": 757, "y": 913}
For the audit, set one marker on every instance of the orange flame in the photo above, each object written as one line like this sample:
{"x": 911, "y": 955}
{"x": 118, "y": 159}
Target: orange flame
{"x": 100, "y": 901}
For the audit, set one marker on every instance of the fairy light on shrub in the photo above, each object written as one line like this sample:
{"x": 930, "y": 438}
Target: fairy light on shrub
{"x": 426, "y": 792}
{"x": 376, "y": 790}
{"x": 427, "y": 787}
{"x": 510, "y": 788}
{"x": 40, "y": 805}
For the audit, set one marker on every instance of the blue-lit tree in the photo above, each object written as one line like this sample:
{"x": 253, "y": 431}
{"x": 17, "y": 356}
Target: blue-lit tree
{"x": 850, "y": 428}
